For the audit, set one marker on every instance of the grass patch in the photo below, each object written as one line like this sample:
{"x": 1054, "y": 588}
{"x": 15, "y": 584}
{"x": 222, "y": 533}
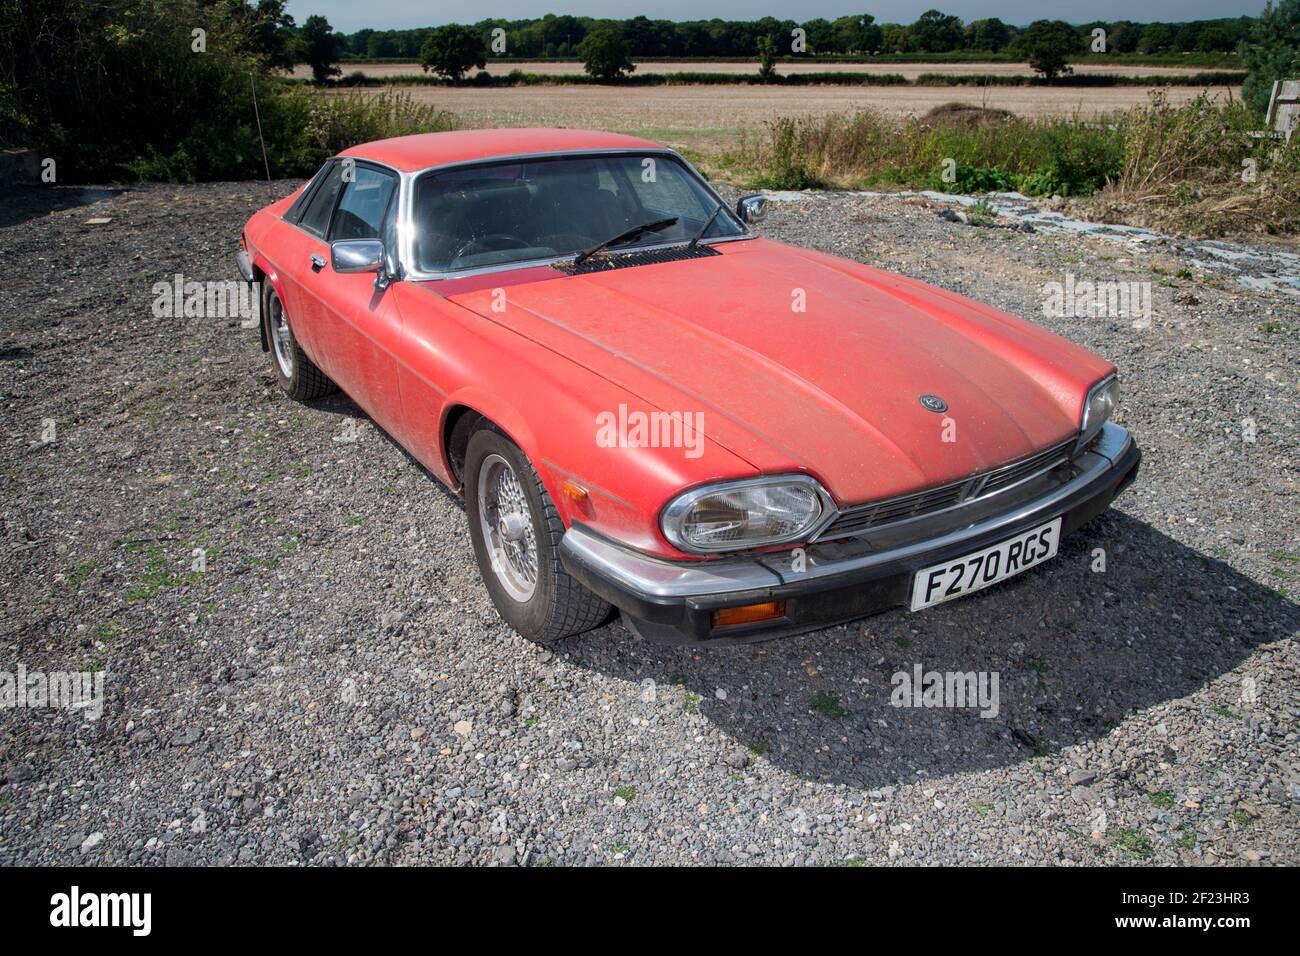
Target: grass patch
{"x": 1240, "y": 817}
{"x": 79, "y": 574}
{"x": 1186, "y": 842}
{"x": 1162, "y": 799}
{"x": 157, "y": 576}
{"x": 982, "y": 807}
{"x": 1228, "y": 712}
{"x": 981, "y": 214}
{"x": 828, "y": 705}
{"x": 1134, "y": 842}
{"x": 627, "y": 793}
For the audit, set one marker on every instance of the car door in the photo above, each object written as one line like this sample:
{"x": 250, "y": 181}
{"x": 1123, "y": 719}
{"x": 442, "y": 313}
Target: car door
{"x": 301, "y": 256}
{"x": 359, "y": 326}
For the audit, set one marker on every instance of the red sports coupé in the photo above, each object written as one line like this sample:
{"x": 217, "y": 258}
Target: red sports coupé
{"x": 647, "y": 406}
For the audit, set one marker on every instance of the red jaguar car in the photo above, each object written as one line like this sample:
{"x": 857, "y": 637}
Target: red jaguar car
{"x": 646, "y": 406}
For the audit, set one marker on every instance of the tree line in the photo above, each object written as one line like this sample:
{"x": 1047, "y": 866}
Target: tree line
{"x": 933, "y": 32}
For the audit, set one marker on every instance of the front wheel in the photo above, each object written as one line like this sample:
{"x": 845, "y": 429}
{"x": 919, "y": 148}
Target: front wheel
{"x": 298, "y": 376}
{"x": 516, "y": 532}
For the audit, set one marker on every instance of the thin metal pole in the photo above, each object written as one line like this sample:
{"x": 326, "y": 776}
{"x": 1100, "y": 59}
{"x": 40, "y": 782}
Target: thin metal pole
{"x": 257, "y": 114}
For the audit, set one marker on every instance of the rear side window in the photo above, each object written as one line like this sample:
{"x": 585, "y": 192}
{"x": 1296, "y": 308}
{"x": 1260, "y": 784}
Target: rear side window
{"x": 365, "y": 201}
{"x": 294, "y": 212}
{"x": 316, "y": 218}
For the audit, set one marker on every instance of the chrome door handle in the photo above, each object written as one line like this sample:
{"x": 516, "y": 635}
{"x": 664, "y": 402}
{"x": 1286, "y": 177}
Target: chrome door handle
{"x": 317, "y": 262}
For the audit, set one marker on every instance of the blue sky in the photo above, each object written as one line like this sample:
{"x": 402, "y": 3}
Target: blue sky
{"x": 349, "y": 16}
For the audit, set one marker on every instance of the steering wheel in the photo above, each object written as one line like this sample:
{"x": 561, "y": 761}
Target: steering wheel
{"x": 492, "y": 242}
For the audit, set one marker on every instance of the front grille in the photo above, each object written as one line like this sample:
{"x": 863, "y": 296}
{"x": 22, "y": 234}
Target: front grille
{"x": 1014, "y": 473}
{"x": 857, "y": 519}
{"x": 603, "y": 261}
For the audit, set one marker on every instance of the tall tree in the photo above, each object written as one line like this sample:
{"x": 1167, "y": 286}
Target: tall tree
{"x": 936, "y": 32}
{"x": 321, "y": 47}
{"x": 990, "y": 34}
{"x": 1047, "y": 46}
{"x": 1273, "y": 51}
{"x": 453, "y": 50}
{"x": 604, "y": 51}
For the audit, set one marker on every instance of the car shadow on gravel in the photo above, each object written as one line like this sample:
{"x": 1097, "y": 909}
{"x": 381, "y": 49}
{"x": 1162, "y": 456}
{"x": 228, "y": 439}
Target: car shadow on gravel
{"x": 1076, "y": 651}
{"x": 23, "y": 203}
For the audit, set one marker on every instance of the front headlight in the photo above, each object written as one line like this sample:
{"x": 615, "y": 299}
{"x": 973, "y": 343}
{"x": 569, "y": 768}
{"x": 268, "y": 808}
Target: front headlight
{"x": 1103, "y": 398}
{"x": 751, "y": 513}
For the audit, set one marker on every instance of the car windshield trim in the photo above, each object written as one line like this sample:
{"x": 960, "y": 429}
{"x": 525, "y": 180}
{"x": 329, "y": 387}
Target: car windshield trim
{"x": 406, "y": 231}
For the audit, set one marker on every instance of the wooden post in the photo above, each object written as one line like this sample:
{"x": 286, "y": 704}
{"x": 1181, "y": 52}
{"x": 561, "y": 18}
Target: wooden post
{"x": 1284, "y": 107}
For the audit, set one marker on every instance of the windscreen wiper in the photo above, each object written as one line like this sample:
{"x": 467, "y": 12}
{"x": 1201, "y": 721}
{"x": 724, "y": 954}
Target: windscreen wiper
{"x": 705, "y": 228}
{"x": 622, "y": 236}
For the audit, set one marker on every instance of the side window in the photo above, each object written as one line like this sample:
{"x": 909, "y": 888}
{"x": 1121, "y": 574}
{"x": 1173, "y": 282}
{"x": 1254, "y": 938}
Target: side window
{"x": 364, "y": 203}
{"x": 294, "y": 212}
{"x": 316, "y": 218}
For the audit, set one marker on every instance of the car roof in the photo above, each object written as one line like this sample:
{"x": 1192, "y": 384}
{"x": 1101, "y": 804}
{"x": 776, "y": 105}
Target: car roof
{"x": 413, "y": 153}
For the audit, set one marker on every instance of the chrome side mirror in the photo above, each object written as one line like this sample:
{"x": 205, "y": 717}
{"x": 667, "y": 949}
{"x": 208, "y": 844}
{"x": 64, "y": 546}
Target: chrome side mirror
{"x": 751, "y": 209}
{"x": 360, "y": 255}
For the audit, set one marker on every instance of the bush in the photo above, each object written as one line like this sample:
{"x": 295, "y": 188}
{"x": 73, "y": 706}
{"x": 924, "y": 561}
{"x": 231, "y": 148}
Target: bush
{"x": 787, "y": 161}
{"x": 112, "y": 90}
{"x": 335, "y": 122}
{"x": 1163, "y": 165}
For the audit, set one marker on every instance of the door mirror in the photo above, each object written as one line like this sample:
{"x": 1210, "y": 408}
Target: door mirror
{"x": 357, "y": 255}
{"x": 751, "y": 209}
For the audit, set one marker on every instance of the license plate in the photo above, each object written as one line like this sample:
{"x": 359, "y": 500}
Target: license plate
{"x": 959, "y": 576}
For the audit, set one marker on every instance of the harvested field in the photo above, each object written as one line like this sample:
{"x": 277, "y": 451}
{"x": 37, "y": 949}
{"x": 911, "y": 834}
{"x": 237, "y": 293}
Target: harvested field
{"x": 712, "y": 117}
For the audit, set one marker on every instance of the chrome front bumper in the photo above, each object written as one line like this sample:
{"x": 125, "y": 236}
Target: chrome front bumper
{"x": 244, "y": 266}
{"x": 835, "y": 580}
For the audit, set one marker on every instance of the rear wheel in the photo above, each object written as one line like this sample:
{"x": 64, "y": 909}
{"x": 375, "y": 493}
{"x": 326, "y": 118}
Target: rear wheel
{"x": 516, "y": 532}
{"x": 299, "y": 377}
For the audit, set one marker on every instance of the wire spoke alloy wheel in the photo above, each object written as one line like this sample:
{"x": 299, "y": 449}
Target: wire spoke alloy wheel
{"x": 507, "y": 525}
{"x": 281, "y": 337}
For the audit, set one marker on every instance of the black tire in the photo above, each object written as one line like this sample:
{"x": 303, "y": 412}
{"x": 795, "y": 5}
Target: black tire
{"x": 304, "y": 380}
{"x": 559, "y": 606}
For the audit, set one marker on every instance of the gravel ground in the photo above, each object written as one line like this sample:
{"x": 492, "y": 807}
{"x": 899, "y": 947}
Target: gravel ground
{"x": 336, "y": 688}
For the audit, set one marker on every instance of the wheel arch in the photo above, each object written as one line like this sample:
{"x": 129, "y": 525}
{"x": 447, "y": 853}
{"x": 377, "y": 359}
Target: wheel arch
{"x": 464, "y": 412}
{"x": 263, "y": 273}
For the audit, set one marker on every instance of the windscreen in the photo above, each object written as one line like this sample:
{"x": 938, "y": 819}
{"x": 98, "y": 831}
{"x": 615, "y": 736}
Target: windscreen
{"x": 500, "y": 213}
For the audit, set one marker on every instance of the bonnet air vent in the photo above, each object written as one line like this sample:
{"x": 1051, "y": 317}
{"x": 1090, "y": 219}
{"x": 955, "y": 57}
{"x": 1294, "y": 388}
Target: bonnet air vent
{"x": 605, "y": 261}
